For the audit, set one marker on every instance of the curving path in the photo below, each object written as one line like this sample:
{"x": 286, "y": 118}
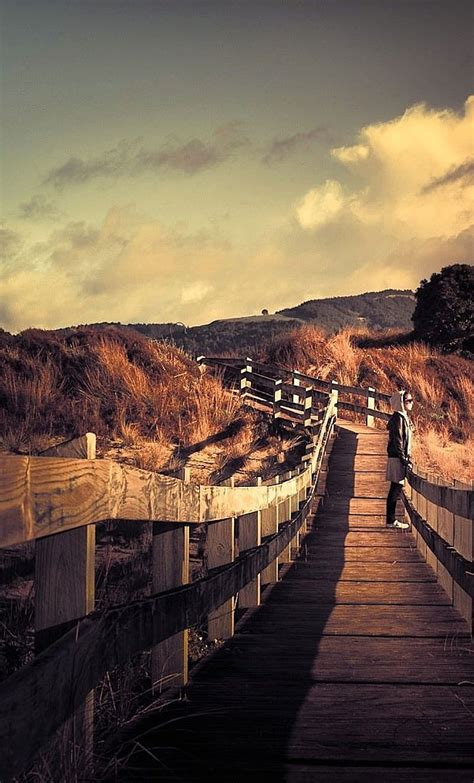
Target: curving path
{"x": 354, "y": 668}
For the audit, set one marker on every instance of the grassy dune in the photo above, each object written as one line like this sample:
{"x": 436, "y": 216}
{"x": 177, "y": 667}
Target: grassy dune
{"x": 442, "y": 385}
{"x": 147, "y": 401}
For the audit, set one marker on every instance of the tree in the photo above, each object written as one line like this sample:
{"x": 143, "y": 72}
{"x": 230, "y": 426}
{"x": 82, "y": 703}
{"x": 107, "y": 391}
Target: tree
{"x": 444, "y": 311}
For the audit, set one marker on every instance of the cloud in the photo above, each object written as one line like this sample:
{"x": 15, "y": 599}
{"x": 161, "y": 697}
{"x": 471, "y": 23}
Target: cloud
{"x": 463, "y": 173}
{"x": 320, "y": 205}
{"x": 130, "y": 159}
{"x": 282, "y": 148}
{"x": 378, "y": 225}
{"x": 407, "y": 210}
{"x": 38, "y": 208}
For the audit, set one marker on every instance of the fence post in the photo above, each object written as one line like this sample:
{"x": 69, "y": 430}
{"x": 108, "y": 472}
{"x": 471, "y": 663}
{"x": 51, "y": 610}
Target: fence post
{"x": 169, "y": 658}
{"x": 277, "y": 398}
{"x": 296, "y": 380}
{"x": 334, "y": 393}
{"x": 308, "y": 407}
{"x": 65, "y": 590}
{"x": 269, "y": 527}
{"x": 250, "y": 535}
{"x": 284, "y": 515}
{"x": 220, "y": 551}
{"x": 370, "y": 404}
{"x": 245, "y": 381}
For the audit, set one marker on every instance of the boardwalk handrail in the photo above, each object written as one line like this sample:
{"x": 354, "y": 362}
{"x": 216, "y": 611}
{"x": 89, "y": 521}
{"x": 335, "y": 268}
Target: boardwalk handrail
{"x": 441, "y": 515}
{"x": 52, "y": 497}
{"x": 41, "y": 496}
{"x": 252, "y": 373}
{"x": 38, "y": 497}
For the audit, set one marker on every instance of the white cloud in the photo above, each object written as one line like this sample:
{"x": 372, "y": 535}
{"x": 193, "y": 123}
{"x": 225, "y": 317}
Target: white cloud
{"x": 409, "y": 209}
{"x": 320, "y": 205}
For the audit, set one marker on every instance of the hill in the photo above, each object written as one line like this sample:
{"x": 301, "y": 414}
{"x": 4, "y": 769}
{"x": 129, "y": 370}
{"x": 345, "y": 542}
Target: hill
{"x": 389, "y": 309}
{"x": 377, "y": 311}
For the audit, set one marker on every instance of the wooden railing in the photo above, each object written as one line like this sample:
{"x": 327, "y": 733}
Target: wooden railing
{"x": 293, "y": 394}
{"x": 441, "y": 514}
{"x": 58, "y": 498}
{"x": 442, "y": 522}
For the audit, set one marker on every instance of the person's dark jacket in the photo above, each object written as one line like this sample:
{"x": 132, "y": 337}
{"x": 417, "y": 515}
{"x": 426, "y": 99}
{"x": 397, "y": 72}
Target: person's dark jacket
{"x": 398, "y": 438}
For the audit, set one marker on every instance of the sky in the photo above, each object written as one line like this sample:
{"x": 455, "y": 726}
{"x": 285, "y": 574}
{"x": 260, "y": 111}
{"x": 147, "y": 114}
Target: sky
{"x": 189, "y": 160}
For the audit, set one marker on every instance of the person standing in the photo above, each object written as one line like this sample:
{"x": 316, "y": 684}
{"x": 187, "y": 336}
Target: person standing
{"x": 398, "y": 450}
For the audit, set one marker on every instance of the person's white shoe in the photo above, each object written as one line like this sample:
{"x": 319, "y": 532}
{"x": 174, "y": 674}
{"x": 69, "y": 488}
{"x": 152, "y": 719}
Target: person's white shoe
{"x": 400, "y": 525}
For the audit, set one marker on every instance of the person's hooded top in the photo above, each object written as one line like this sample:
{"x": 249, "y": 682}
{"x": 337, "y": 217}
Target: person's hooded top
{"x": 399, "y": 429}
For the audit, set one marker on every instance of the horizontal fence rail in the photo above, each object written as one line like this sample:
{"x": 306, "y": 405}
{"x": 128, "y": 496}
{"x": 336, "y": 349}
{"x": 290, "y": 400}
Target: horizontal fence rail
{"x": 58, "y": 500}
{"x": 291, "y": 391}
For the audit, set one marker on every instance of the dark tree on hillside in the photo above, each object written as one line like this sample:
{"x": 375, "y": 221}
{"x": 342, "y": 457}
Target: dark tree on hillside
{"x": 444, "y": 312}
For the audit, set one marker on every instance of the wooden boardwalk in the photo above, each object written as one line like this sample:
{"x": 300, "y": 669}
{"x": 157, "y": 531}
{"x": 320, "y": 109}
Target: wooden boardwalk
{"x": 355, "y": 667}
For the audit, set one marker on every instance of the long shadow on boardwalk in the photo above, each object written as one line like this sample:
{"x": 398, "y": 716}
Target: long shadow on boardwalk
{"x": 243, "y": 703}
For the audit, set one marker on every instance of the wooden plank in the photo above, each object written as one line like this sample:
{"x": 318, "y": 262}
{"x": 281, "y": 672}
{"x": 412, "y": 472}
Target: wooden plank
{"x": 83, "y": 447}
{"x": 464, "y": 604}
{"x": 65, "y": 591}
{"x": 220, "y": 551}
{"x": 169, "y": 661}
{"x": 336, "y": 520}
{"x": 354, "y": 505}
{"x": 444, "y": 577}
{"x": 368, "y": 723}
{"x": 40, "y": 496}
{"x": 362, "y": 620}
{"x": 284, "y": 515}
{"x": 269, "y": 527}
{"x": 362, "y": 572}
{"x": 454, "y": 499}
{"x": 379, "y": 554}
{"x": 321, "y": 591}
{"x": 250, "y": 535}
{"x": 322, "y": 773}
{"x": 374, "y": 537}
{"x": 463, "y": 537}
{"x": 64, "y": 581}
{"x": 342, "y": 659}
{"x": 445, "y": 526}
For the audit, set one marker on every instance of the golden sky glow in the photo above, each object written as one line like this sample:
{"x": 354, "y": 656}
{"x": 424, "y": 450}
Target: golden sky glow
{"x": 172, "y": 162}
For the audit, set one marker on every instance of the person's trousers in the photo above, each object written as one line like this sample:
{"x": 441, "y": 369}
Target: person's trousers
{"x": 395, "y": 492}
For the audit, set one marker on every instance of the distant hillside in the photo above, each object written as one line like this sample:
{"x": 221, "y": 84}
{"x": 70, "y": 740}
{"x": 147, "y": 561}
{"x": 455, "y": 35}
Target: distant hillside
{"x": 391, "y": 309}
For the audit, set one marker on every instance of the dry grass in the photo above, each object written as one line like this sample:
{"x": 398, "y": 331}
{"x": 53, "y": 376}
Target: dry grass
{"x": 442, "y": 385}
{"x": 149, "y": 396}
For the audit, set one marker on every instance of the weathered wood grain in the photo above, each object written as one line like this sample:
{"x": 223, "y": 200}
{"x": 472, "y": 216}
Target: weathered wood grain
{"x": 169, "y": 659}
{"x": 40, "y": 496}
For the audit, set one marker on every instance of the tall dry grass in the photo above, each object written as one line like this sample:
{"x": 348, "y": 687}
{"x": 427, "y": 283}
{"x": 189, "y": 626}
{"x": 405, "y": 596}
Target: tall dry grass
{"x": 442, "y": 385}
{"x": 118, "y": 384}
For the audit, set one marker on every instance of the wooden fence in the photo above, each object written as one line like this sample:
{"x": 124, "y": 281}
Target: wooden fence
{"x": 442, "y": 523}
{"x": 441, "y": 513}
{"x": 58, "y": 498}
